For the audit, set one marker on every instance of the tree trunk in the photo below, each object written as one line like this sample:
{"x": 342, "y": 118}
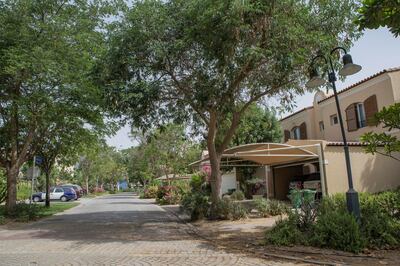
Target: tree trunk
{"x": 215, "y": 179}
{"x": 47, "y": 173}
{"x": 11, "y": 200}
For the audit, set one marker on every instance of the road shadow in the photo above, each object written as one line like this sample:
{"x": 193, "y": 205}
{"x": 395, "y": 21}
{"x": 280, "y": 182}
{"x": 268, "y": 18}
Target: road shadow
{"x": 105, "y": 226}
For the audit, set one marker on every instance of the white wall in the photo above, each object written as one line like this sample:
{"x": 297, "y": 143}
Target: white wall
{"x": 228, "y": 181}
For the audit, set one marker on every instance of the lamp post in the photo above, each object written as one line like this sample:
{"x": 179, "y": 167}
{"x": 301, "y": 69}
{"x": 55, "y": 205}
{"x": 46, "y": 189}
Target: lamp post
{"x": 353, "y": 204}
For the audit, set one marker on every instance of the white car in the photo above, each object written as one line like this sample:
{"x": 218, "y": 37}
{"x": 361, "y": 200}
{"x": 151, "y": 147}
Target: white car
{"x": 56, "y": 193}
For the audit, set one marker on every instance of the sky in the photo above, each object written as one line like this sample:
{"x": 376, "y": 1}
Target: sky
{"x": 374, "y": 51}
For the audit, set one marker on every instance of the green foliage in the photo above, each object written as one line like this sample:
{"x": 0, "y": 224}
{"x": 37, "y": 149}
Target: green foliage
{"x": 23, "y": 190}
{"x": 256, "y": 126}
{"x": 380, "y": 13}
{"x": 150, "y": 192}
{"x": 228, "y": 209}
{"x": 48, "y": 50}
{"x": 237, "y": 195}
{"x": 161, "y": 151}
{"x": 334, "y": 227}
{"x": 285, "y": 233}
{"x": 267, "y": 207}
{"x": 338, "y": 230}
{"x": 196, "y": 205}
{"x": 25, "y": 212}
{"x": 168, "y": 195}
{"x": 390, "y": 118}
{"x": 380, "y": 219}
{"x": 207, "y": 61}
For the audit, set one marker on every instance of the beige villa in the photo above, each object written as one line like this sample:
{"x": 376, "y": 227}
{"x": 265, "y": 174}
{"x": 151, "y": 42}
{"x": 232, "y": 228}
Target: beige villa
{"x": 311, "y": 155}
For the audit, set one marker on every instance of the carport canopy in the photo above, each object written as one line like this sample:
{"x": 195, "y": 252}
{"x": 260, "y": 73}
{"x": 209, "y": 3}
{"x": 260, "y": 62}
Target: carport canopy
{"x": 268, "y": 153}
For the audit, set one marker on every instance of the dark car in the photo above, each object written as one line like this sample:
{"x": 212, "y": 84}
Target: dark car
{"x": 56, "y": 193}
{"x": 77, "y": 188}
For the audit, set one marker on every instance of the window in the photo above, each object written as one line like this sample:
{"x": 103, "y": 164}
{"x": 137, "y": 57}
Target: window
{"x": 295, "y": 134}
{"x": 361, "y": 121}
{"x": 321, "y": 126}
{"x": 59, "y": 190}
{"x": 334, "y": 120}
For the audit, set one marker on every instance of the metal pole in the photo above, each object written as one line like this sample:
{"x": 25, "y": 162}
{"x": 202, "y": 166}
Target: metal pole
{"x": 32, "y": 179}
{"x": 353, "y": 205}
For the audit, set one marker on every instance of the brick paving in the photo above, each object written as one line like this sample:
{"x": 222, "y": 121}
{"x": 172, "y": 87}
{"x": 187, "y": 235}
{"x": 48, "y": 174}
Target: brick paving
{"x": 116, "y": 229}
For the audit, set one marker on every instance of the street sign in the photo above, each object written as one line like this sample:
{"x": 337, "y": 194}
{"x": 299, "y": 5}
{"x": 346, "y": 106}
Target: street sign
{"x": 38, "y": 160}
{"x": 33, "y": 172}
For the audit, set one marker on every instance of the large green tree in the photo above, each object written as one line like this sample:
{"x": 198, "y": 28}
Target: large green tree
{"x": 47, "y": 50}
{"x": 209, "y": 60}
{"x": 380, "y": 13}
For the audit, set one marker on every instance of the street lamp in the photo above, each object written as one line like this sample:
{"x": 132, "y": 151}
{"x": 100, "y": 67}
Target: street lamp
{"x": 349, "y": 68}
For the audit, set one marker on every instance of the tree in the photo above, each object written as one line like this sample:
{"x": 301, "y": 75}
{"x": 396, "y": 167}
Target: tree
{"x": 385, "y": 143}
{"x": 256, "y": 126}
{"x": 63, "y": 142}
{"x": 380, "y": 13}
{"x": 208, "y": 61}
{"x": 47, "y": 51}
{"x": 164, "y": 151}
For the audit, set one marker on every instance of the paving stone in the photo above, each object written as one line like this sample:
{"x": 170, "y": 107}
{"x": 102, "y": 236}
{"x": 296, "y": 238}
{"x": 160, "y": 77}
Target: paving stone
{"x": 117, "y": 229}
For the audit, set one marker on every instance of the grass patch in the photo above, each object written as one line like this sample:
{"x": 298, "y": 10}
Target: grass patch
{"x": 26, "y": 213}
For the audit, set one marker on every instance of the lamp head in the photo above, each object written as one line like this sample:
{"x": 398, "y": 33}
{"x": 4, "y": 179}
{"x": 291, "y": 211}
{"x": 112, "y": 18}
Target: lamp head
{"x": 315, "y": 80}
{"x": 349, "y": 68}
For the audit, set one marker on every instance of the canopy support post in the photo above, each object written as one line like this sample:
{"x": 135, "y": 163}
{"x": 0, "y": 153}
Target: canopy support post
{"x": 322, "y": 170}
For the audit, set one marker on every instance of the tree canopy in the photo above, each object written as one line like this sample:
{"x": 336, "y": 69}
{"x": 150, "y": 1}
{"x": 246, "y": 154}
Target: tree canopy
{"x": 208, "y": 61}
{"x": 380, "y": 13}
{"x": 47, "y": 51}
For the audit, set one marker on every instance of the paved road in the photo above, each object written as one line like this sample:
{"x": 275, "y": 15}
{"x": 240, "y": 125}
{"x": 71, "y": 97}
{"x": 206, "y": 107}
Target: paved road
{"x": 116, "y": 229}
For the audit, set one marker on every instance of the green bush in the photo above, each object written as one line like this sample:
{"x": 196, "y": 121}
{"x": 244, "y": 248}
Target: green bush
{"x": 25, "y": 212}
{"x": 167, "y": 195}
{"x": 230, "y": 210}
{"x": 262, "y": 207}
{"x": 237, "y": 195}
{"x": 337, "y": 229}
{"x": 379, "y": 225}
{"x": 333, "y": 227}
{"x": 285, "y": 233}
{"x": 196, "y": 205}
{"x": 267, "y": 207}
{"x": 150, "y": 192}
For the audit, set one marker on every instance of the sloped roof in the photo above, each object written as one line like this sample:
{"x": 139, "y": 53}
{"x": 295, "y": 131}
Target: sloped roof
{"x": 389, "y": 70}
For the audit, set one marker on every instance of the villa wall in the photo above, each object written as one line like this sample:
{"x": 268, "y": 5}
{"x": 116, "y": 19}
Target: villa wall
{"x": 371, "y": 173}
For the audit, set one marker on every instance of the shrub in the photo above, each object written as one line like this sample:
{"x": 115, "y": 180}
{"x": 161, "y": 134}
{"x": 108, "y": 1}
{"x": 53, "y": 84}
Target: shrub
{"x": 337, "y": 229}
{"x": 25, "y": 212}
{"x": 230, "y": 210}
{"x": 262, "y": 207}
{"x": 277, "y": 207}
{"x": 198, "y": 182}
{"x": 150, "y": 192}
{"x": 334, "y": 227}
{"x": 196, "y": 205}
{"x": 285, "y": 233}
{"x": 237, "y": 195}
{"x": 168, "y": 195}
{"x": 379, "y": 226}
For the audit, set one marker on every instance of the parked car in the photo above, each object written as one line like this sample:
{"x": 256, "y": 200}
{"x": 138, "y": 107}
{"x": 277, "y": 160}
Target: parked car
{"x": 77, "y": 188}
{"x": 56, "y": 193}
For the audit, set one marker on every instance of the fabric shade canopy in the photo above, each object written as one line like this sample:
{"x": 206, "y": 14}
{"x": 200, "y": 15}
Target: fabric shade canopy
{"x": 268, "y": 153}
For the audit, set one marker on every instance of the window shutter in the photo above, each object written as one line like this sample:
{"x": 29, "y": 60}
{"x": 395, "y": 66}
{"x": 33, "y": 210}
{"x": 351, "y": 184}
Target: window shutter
{"x": 371, "y": 108}
{"x": 286, "y": 135}
{"x": 351, "y": 117}
{"x": 303, "y": 131}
